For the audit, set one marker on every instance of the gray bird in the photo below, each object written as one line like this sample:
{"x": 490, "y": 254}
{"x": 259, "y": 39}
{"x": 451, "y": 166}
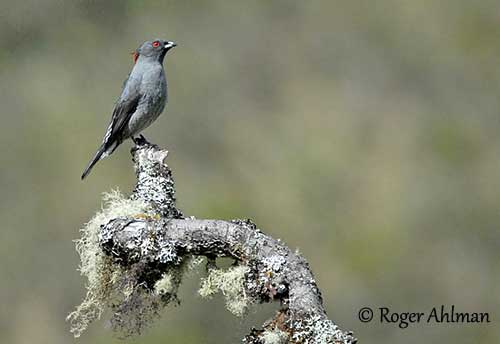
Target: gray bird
{"x": 143, "y": 98}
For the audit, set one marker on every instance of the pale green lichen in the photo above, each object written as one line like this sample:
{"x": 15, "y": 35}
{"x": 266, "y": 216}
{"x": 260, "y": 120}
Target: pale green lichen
{"x": 275, "y": 336}
{"x": 165, "y": 285}
{"x": 192, "y": 264}
{"x": 141, "y": 304}
{"x": 231, "y": 283}
{"x": 102, "y": 275}
{"x": 170, "y": 280}
{"x": 121, "y": 289}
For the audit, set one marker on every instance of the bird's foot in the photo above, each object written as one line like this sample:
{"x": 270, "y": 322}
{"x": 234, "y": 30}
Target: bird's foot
{"x": 141, "y": 141}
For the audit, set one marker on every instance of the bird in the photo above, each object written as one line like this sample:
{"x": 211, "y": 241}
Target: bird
{"x": 143, "y": 99}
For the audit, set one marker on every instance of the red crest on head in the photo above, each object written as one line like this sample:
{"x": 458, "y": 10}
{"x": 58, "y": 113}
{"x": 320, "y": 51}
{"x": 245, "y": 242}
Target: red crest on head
{"x": 135, "y": 56}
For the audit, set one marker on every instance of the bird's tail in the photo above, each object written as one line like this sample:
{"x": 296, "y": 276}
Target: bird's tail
{"x": 98, "y": 156}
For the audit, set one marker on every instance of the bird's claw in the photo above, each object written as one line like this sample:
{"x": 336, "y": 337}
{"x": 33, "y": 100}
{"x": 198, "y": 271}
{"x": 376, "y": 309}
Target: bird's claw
{"x": 141, "y": 141}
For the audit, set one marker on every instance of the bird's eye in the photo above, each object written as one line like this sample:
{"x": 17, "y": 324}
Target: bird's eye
{"x": 156, "y": 44}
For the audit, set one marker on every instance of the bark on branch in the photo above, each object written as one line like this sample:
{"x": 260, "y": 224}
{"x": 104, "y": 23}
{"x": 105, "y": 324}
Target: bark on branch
{"x": 162, "y": 239}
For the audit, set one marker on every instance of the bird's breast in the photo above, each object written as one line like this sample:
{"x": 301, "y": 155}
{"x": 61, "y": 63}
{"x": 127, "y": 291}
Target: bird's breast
{"x": 153, "y": 90}
{"x": 154, "y": 84}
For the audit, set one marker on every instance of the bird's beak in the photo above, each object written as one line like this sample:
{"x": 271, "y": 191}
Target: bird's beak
{"x": 170, "y": 45}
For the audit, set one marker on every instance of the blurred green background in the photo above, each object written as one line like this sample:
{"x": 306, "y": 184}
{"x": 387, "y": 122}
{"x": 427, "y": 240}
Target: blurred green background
{"x": 364, "y": 133}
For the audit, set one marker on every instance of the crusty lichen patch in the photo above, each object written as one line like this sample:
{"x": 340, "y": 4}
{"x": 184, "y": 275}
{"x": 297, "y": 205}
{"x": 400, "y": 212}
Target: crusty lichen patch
{"x": 231, "y": 283}
{"x": 318, "y": 329}
{"x": 275, "y": 336}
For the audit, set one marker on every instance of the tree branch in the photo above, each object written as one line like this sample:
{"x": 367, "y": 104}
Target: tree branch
{"x": 161, "y": 239}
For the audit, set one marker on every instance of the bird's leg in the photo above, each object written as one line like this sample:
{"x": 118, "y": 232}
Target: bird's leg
{"x": 136, "y": 140}
{"x": 143, "y": 139}
{"x": 140, "y": 141}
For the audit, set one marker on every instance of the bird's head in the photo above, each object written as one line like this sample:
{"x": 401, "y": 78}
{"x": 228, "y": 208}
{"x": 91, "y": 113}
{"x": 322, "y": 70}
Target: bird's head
{"x": 154, "y": 50}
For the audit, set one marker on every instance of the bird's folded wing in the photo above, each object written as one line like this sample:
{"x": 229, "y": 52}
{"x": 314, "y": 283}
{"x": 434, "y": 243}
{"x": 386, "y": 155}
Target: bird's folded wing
{"x": 124, "y": 109}
{"x": 121, "y": 116}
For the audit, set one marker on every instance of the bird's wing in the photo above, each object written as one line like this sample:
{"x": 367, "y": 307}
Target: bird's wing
{"x": 124, "y": 108}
